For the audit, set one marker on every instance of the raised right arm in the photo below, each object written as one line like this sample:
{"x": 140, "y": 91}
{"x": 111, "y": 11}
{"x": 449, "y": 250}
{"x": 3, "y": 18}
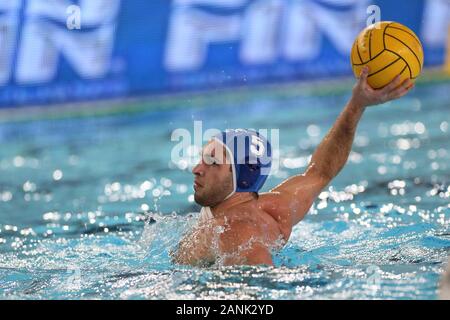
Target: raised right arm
{"x": 332, "y": 153}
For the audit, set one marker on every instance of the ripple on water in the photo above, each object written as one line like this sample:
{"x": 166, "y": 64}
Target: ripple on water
{"x": 87, "y": 213}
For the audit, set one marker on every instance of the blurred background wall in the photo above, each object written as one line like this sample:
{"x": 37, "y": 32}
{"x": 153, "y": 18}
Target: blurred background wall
{"x": 135, "y": 47}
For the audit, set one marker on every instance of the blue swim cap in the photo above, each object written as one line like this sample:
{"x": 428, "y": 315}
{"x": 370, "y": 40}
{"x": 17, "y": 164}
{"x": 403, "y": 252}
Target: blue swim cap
{"x": 250, "y": 154}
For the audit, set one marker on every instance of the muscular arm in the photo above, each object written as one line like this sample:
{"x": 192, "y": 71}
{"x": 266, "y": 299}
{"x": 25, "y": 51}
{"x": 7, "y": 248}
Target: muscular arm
{"x": 326, "y": 162}
{"x": 332, "y": 153}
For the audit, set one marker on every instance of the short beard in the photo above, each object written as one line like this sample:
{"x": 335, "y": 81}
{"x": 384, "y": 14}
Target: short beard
{"x": 215, "y": 196}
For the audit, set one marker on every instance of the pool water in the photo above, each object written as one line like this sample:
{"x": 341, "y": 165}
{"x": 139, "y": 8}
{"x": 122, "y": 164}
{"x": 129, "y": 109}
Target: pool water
{"x": 90, "y": 207}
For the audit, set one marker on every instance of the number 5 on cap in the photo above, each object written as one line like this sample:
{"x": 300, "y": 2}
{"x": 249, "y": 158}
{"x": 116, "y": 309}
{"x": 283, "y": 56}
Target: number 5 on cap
{"x": 257, "y": 147}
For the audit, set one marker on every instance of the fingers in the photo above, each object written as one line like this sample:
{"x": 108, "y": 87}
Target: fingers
{"x": 364, "y": 74}
{"x": 363, "y": 82}
{"x": 369, "y": 96}
{"x": 391, "y": 86}
{"x": 403, "y": 89}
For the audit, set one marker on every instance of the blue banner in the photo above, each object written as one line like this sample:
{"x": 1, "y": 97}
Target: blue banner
{"x": 65, "y": 51}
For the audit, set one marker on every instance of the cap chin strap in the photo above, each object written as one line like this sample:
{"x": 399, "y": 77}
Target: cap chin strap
{"x": 229, "y": 196}
{"x": 230, "y": 158}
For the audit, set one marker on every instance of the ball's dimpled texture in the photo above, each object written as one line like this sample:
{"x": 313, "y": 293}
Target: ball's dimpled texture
{"x": 388, "y": 48}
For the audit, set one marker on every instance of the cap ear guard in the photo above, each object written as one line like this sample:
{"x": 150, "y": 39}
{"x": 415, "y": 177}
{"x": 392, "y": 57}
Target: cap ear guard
{"x": 251, "y": 154}
{"x": 248, "y": 176}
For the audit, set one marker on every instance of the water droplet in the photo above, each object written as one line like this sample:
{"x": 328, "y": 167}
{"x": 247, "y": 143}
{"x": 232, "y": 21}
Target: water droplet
{"x": 57, "y": 175}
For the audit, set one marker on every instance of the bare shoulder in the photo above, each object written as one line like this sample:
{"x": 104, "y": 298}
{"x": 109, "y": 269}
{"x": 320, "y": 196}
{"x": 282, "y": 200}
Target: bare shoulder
{"x": 272, "y": 201}
{"x": 277, "y": 205}
{"x": 294, "y": 197}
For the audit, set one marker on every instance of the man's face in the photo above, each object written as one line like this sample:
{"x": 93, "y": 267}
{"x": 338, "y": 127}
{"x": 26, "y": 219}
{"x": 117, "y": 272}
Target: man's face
{"x": 213, "y": 176}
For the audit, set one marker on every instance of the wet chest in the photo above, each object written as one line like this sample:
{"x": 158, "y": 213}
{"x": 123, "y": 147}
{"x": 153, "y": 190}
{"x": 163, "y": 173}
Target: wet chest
{"x": 202, "y": 243}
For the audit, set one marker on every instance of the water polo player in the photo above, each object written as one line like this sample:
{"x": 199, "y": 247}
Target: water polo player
{"x": 238, "y": 225}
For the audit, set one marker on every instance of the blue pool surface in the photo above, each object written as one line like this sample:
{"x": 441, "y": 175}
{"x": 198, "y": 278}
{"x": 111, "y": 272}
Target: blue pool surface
{"x": 90, "y": 207}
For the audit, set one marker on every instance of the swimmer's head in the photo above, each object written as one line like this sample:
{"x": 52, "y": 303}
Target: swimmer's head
{"x": 213, "y": 175}
{"x": 233, "y": 161}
